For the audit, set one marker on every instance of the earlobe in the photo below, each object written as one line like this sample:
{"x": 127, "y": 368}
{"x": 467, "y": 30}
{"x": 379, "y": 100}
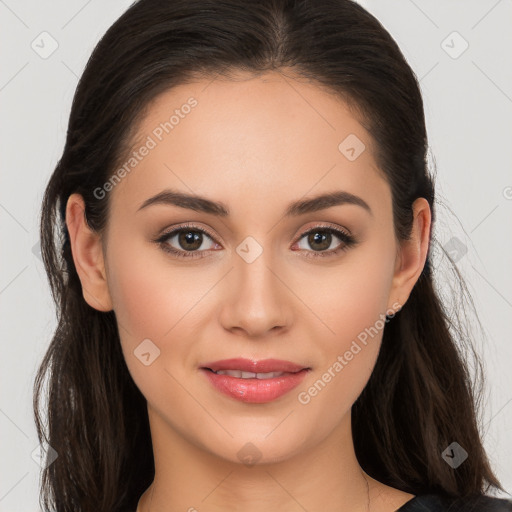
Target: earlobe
{"x": 86, "y": 248}
{"x": 412, "y": 253}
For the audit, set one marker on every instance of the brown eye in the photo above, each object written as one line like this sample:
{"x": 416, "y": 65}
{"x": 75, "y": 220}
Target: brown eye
{"x": 318, "y": 240}
{"x": 190, "y": 240}
{"x": 187, "y": 242}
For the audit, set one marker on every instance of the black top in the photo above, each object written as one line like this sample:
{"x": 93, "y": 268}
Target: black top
{"x": 439, "y": 503}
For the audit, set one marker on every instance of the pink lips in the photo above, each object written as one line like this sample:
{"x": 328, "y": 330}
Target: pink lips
{"x": 254, "y": 390}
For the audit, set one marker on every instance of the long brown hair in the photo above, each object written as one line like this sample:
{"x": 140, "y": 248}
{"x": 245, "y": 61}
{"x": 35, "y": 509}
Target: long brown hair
{"x": 420, "y": 397}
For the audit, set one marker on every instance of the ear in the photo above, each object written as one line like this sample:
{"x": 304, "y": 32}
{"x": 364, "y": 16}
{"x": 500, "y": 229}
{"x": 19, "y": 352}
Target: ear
{"x": 86, "y": 248}
{"x": 412, "y": 254}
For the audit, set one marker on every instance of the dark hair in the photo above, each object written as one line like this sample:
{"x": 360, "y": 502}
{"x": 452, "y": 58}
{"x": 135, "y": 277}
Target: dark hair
{"x": 420, "y": 397}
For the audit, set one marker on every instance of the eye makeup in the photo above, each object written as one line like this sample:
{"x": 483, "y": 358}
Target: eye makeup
{"x": 325, "y": 231}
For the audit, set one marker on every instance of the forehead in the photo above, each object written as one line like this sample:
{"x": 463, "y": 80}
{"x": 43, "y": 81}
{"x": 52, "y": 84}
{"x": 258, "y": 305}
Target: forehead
{"x": 251, "y": 137}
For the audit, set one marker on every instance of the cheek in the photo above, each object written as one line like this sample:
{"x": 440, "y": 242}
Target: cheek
{"x": 149, "y": 294}
{"x": 348, "y": 354}
{"x": 146, "y": 308}
{"x": 159, "y": 301}
{"x": 351, "y": 305}
{"x": 136, "y": 299}
{"x": 351, "y": 296}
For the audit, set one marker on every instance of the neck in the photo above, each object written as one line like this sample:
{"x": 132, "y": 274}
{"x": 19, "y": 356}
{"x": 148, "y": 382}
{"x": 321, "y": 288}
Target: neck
{"x": 325, "y": 477}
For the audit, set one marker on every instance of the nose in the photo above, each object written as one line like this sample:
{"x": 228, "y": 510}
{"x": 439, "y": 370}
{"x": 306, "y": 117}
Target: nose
{"x": 257, "y": 299}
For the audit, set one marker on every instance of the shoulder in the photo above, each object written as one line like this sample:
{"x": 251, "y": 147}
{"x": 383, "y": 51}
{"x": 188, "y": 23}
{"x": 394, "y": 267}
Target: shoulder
{"x": 441, "y": 503}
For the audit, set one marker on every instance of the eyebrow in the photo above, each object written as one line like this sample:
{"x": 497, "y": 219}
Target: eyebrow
{"x": 296, "y": 208}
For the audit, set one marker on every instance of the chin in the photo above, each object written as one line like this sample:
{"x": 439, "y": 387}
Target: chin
{"x": 259, "y": 449}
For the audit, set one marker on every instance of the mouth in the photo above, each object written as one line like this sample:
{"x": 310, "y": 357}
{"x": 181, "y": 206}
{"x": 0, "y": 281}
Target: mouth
{"x": 262, "y": 366}
{"x": 239, "y": 374}
{"x": 254, "y": 381}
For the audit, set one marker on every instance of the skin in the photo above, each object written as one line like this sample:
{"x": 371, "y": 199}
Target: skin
{"x": 256, "y": 144}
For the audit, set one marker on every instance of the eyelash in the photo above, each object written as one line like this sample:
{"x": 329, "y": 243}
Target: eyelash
{"x": 346, "y": 239}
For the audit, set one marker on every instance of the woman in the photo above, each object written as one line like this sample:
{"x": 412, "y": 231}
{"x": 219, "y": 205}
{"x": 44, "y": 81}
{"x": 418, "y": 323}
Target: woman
{"x": 247, "y": 312}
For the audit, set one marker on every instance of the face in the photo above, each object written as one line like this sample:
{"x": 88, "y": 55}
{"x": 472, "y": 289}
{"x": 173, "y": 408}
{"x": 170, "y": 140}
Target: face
{"x": 310, "y": 286}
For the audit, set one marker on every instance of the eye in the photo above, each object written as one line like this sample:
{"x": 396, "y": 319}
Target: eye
{"x": 321, "y": 238}
{"x": 187, "y": 240}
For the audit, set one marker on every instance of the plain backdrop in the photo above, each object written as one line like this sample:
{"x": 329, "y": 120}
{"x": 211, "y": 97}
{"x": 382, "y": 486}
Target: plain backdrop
{"x": 460, "y": 52}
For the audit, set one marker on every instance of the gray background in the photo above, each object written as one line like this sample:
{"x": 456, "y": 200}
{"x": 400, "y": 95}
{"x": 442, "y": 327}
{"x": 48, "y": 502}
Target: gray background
{"x": 468, "y": 106}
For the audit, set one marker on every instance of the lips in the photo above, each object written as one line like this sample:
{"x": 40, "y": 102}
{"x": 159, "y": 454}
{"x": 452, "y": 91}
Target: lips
{"x": 250, "y": 375}
{"x": 254, "y": 381}
{"x": 248, "y": 365}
